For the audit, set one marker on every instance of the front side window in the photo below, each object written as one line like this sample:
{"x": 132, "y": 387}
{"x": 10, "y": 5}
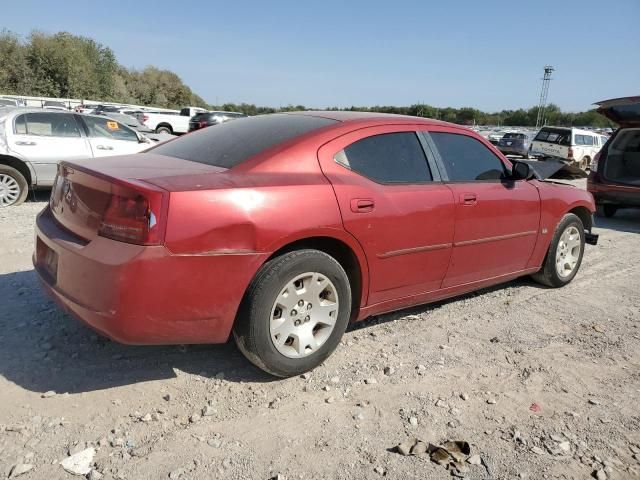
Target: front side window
{"x": 47, "y": 125}
{"x": 107, "y": 128}
{"x": 467, "y": 159}
{"x": 387, "y": 158}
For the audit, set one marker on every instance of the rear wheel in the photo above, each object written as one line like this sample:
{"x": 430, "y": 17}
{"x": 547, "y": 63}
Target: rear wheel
{"x": 606, "y": 210}
{"x": 584, "y": 163}
{"x": 13, "y": 186}
{"x": 164, "y": 129}
{"x": 564, "y": 256}
{"x": 294, "y": 313}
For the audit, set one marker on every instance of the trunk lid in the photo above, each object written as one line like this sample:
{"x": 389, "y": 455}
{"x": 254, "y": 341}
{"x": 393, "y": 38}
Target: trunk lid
{"x": 624, "y": 111}
{"x": 117, "y": 197}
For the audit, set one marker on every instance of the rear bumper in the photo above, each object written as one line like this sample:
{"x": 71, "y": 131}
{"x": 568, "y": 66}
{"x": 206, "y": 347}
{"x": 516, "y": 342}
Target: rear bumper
{"x": 615, "y": 194}
{"x": 513, "y": 150}
{"x": 142, "y": 295}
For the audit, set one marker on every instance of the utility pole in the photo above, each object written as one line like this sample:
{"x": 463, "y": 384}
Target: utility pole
{"x": 546, "y": 80}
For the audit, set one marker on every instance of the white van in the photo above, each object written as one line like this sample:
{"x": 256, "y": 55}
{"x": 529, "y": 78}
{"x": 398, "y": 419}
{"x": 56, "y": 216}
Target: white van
{"x": 567, "y": 143}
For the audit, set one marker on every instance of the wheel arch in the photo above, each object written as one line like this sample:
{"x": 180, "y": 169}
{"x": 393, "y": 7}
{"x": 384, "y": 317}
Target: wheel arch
{"x": 584, "y": 214}
{"x": 348, "y": 256}
{"x": 20, "y": 165}
{"x": 164, "y": 125}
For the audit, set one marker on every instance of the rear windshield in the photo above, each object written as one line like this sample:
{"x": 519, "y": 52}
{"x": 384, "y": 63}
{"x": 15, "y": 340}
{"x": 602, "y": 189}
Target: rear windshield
{"x": 559, "y": 136}
{"x": 519, "y": 136}
{"x": 231, "y": 143}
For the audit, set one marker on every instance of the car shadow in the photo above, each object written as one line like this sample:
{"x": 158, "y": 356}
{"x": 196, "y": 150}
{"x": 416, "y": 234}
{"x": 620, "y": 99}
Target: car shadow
{"x": 625, "y": 220}
{"x": 39, "y": 195}
{"x": 42, "y": 348}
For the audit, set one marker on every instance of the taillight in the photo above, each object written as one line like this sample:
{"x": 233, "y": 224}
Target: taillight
{"x": 570, "y": 153}
{"x": 202, "y": 124}
{"x": 145, "y": 118}
{"x": 594, "y": 163}
{"x": 134, "y": 215}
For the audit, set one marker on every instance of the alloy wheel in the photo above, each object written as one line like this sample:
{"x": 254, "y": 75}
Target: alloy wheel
{"x": 9, "y": 190}
{"x": 568, "y": 251}
{"x": 304, "y": 315}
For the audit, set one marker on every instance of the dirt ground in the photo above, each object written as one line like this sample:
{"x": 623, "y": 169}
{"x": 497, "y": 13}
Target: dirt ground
{"x": 466, "y": 369}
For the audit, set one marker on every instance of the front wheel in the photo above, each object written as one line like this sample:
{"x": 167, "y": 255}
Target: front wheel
{"x": 564, "y": 256}
{"x": 294, "y": 313}
{"x": 13, "y": 186}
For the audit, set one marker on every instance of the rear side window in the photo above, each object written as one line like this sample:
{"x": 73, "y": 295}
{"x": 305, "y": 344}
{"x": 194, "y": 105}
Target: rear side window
{"x": 47, "y": 124}
{"x": 231, "y": 143}
{"x": 584, "y": 140}
{"x": 466, "y": 158}
{"x": 387, "y": 158}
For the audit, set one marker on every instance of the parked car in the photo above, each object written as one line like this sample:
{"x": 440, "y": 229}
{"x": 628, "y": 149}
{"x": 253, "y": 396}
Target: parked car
{"x": 8, "y": 102}
{"x": 567, "y": 143}
{"x": 33, "y": 141}
{"x": 515, "y": 143}
{"x": 171, "y": 123}
{"x": 614, "y": 180}
{"x": 207, "y": 119}
{"x": 495, "y": 137}
{"x": 85, "y": 108}
{"x": 133, "y": 123}
{"x": 284, "y": 228}
{"x": 138, "y": 114}
{"x": 54, "y": 105}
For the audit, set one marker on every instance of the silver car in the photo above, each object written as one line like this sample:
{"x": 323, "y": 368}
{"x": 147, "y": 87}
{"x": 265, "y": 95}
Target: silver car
{"x": 34, "y": 140}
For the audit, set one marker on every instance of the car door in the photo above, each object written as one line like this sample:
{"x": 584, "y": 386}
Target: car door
{"x": 496, "y": 220}
{"x": 45, "y": 138}
{"x": 109, "y": 137}
{"x": 393, "y": 203}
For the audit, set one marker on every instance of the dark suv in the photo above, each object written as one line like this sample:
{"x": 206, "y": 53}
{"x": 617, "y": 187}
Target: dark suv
{"x": 614, "y": 180}
{"x": 206, "y": 119}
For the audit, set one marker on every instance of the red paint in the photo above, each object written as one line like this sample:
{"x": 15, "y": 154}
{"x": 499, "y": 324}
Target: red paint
{"x": 413, "y": 243}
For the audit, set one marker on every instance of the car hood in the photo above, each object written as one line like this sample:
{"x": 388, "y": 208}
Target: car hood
{"x": 624, "y": 111}
{"x": 555, "y": 170}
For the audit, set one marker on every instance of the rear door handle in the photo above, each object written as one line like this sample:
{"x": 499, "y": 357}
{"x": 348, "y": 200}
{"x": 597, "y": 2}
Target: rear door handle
{"x": 25, "y": 144}
{"x": 468, "y": 198}
{"x": 362, "y": 205}
{"x": 102, "y": 147}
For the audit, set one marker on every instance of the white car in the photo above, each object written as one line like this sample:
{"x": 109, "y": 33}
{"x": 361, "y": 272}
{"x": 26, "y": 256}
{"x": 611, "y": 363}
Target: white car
{"x": 568, "y": 144}
{"x": 33, "y": 141}
{"x": 168, "y": 122}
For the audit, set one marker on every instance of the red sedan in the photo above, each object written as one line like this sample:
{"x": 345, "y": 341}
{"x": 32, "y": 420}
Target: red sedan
{"x": 284, "y": 228}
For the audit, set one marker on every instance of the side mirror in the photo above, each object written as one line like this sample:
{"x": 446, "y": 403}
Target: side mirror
{"x": 521, "y": 171}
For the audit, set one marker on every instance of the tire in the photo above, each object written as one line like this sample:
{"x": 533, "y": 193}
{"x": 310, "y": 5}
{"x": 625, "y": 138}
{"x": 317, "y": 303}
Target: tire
{"x": 606, "y": 210}
{"x": 260, "y": 317}
{"x": 584, "y": 163}
{"x": 14, "y": 188}
{"x": 554, "y": 272}
{"x": 163, "y": 129}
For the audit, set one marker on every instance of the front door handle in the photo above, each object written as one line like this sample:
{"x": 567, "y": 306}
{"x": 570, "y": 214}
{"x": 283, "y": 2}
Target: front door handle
{"x": 468, "y": 198}
{"x": 103, "y": 147}
{"x": 25, "y": 144}
{"x": 362, "y": 205}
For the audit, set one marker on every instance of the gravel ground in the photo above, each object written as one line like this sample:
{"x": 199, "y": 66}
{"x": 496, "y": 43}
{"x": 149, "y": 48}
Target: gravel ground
{"x": 542, "y": 383}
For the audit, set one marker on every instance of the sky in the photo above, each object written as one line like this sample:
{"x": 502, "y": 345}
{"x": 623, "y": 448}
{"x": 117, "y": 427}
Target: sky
{"x": 460, "y": 53}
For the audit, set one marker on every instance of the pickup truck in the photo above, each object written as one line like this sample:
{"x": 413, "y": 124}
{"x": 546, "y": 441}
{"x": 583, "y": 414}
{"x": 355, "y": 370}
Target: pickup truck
{"x": 168, "y": 122}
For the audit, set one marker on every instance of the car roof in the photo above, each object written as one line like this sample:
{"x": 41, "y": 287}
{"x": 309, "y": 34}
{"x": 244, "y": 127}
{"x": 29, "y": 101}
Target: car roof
{"x": 371, "y": 117}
